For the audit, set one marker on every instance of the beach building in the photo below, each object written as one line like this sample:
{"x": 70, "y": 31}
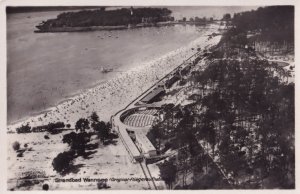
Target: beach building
{"x": 129, "y": 145}
{"x": 144, "y": 144}
{"x": 132, "y": 126}
{"x": 153, "y": 95}
{"x": 172, "y": 80}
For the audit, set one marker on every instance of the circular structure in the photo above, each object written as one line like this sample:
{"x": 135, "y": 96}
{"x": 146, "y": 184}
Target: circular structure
{"x": 139, "y": 117}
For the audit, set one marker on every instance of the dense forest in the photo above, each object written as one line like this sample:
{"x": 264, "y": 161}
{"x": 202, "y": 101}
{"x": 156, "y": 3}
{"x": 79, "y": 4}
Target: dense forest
{"x": 239, "y": 129}
{"x": 102, "y": 17}
{"x": 276, "y": 23}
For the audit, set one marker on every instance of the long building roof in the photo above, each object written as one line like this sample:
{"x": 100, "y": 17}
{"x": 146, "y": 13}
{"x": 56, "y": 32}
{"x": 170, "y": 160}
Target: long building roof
{"x": 152, "y": 94}
{"x": 128, "y": 141}
{"x": 144, "y": 141}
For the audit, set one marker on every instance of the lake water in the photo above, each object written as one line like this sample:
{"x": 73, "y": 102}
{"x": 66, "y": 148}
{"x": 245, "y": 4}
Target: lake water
{"x": 45, "y": 68}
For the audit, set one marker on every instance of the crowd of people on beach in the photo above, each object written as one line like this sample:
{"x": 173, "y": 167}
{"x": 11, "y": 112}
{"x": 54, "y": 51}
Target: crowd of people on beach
{"x": 108, "y": 98}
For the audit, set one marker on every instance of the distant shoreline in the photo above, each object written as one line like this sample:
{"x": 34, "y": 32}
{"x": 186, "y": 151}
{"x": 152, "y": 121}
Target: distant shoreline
{"x": 120, "y": 27}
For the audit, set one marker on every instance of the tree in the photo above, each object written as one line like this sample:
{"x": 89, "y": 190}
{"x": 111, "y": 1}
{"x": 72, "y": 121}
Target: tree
{"x": 16, "y": 145}
{"x": 197, "y": 165}
{"x": 183, "y": 162}
{"x": 77, "y": 141}
{"x": 63, "y": 162}
{"x": 157, "y": 132}
{"x": 81, "y": 141}
{"x": 24, "y": 129}
{"x": 102, "y": 129}
{"x": 70, "y": 139}
{"x": 51, "y": 127}
{"x": 168, "y": 115}
{"x": 168, "y": 171}
{"x": 82, "y": 124}
{"x": 95, "y": 117}
{"x": 226, "y": 17}
{"x": 197, "y": 19}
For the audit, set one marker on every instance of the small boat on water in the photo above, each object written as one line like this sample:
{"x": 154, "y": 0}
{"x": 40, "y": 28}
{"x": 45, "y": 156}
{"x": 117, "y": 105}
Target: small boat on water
{"x": 106, "y": 70}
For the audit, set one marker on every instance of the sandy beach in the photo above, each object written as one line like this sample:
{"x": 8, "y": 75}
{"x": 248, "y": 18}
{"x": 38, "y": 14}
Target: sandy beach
{"x": 109, "y": 97}
{"x": 62, "y": 64}
{"x": 105, "y": 99}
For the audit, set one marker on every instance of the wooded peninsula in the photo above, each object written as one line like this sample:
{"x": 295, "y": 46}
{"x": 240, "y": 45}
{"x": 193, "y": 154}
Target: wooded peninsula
{"x": 101, "y": 19}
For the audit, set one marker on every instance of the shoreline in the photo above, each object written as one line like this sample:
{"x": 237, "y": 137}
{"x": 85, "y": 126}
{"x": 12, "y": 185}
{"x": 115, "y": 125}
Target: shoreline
{"x": 67, "y": 98}
{"x": 108, "y": 97}
{"x": 120, "y": 27}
